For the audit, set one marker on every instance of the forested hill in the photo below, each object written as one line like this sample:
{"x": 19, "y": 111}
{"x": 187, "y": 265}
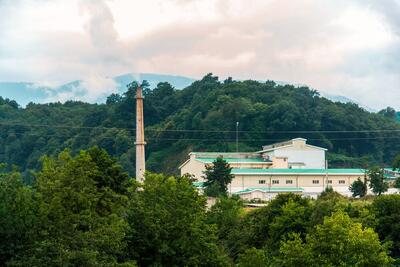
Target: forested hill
{"x": 201, "y": 117}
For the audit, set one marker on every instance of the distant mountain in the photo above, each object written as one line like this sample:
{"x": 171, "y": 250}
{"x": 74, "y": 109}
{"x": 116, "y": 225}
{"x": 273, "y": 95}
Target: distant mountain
{"x": 25, "y": 92}
{"x": 334, "y": 98}
{"x": 343, "y": 99}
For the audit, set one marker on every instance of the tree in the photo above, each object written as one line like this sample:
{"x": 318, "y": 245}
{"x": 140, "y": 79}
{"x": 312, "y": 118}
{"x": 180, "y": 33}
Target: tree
{"x": 396, "y": 163}
{"x": 253, "y": 258}
{"x": 337, "y": 242}
{"x": 265, "y": 227}
{"x": 397, "y": 183}
{"x": 168, "y": 226}
{"x": 386, "y": 210}
{"x": 388, "y": 112}
{"x": 218, "y": 176}
{"x": 358, "y": 188}
{"x": 396, "y": 167}
{"x": 18, "y": 216}
{"x": 80, "y": 215}
{"x": 326, "y": 204}
{"x": 225, "y": 213}
{"x": 293, "y": 218}
{"x": 109, "y": 174}
{"x": 377, "y": 181}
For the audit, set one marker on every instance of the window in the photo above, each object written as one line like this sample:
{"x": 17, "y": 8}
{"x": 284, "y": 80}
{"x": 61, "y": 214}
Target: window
{"x": 275, "y": 181}
{"x": 315, "y": 181}
{"x": 342, "y": 181}
{"x": 289, "y": 181}
{"x": 261, "y": 181}
{"x": 329, "y": 181}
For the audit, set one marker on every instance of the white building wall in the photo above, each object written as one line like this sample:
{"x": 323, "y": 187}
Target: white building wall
{"x": 312, "y": 158}
{"x": 195, "y": 168}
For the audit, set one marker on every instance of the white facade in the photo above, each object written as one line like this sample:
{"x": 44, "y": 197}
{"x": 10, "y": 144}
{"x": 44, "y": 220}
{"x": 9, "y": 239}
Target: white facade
{"x": 298, "y": 153}
{"x": 291, "y": 166}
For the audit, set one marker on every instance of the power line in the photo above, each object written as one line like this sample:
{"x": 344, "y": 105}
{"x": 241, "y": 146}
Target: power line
{"x": 63, "y": 126}
{"x": 201, "y": 130}
{"x": 206, "y": 139}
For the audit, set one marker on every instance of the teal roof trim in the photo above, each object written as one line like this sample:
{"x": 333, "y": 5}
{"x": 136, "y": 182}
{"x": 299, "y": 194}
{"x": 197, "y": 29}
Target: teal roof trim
{"x": 198, "y": 184}
{"x": 270, "y": 190}
{"x": 388, "y": 176}
{"x": 223, "y": 153}
{"x": 297, "y": 171}
{"x": 397, "y": 171}
{"x": 235, "y": 160}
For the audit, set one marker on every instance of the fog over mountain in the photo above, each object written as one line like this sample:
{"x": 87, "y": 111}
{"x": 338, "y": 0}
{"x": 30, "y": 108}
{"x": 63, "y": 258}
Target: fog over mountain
{"x": 25, "y": 92}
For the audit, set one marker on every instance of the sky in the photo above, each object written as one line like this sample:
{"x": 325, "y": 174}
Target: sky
{"x": 342, "y": 47}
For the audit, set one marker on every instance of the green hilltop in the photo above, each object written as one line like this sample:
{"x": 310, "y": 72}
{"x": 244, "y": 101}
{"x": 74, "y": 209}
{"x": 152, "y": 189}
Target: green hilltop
{"x": 200, "y": 117}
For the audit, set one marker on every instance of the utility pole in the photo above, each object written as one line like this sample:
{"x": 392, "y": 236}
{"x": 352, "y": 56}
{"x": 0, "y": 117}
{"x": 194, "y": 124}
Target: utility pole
{"x": 237, "y": 137}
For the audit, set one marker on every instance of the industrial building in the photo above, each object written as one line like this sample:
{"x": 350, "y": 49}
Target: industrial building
{"x": 291, "y": 166}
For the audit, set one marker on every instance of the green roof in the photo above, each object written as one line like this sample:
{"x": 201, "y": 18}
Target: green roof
{"x": 223, "y": 153}
{"x": 198, "y": 184}
{"x": 234, "y": 160}
{"x": 388, "y": 176}
{"x": 270, "y": 189}
{"x": 297, "y": 171}
{"x": 391, "y": 170}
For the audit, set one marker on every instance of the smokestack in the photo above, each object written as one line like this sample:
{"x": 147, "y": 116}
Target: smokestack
{"x": 140, "y": 143}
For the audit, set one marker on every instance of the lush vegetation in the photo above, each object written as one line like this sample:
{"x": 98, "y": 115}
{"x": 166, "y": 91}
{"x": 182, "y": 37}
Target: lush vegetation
{"x": 217, "y": 178}
{"x": 200, "y": 117}
{"x": 83, "y": 210}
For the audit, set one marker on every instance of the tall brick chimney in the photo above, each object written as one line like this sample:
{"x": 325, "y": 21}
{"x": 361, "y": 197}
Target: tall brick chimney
{"x": 140, "y": 143}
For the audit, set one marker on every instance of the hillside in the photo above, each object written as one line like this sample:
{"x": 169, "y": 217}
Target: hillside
{"x": 199, "y": 117}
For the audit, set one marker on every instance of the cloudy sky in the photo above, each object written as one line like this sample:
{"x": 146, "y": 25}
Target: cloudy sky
{"x": 345, "y": 47}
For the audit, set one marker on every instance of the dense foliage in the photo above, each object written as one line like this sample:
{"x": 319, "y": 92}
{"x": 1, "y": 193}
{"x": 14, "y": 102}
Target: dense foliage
{"x": 217, "y": 178}
{"x": 377, "y": 181}
{"x": 359, "y": 188}
{"x": 83, "y": 210}
{"x": 200, "y": 117}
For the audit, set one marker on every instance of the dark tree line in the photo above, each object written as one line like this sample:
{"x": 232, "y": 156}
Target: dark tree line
{"x": 83, "y": 210}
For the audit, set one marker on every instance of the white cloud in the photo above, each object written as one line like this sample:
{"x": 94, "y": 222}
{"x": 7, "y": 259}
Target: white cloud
{"x": 97, "y": 86}
{"x": 347, "y": 47}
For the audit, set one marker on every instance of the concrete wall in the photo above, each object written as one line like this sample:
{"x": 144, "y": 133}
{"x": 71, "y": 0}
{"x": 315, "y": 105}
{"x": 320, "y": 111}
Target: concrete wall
{"x": 259, "y": 194}
{"x": 242, "y": 182}
{"x": 280, "y": 163}
{"x": 195, "y": 168}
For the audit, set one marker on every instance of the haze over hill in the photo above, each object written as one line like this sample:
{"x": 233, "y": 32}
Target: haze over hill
{"x": 25, "y": 92}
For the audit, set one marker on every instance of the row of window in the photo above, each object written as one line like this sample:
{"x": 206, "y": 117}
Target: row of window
{"x": 275, "y": 181}
{"x": 291, "y": 181}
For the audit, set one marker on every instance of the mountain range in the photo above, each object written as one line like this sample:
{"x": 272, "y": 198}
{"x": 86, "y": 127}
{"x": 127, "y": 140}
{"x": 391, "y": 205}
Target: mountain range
{"x": 25, "y": 92}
